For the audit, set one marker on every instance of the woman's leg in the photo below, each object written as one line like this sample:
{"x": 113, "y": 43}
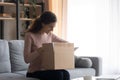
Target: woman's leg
{"x": 66, "y": 75}
{"x": 50, "y": 75}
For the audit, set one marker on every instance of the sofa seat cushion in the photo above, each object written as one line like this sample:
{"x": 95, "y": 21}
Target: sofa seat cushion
{"x": 21, "y": 72}
{"x": 9, "y": 76}
{"x": 16, "y": 55}
{"x": 4, "y": 57}
{"x": 13, "y": 76}
{"x": 80, "y": 72}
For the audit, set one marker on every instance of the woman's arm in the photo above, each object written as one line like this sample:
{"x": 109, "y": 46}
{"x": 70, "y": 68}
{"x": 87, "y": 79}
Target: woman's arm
{"x": 28, "y": 55}
{"x": 57, "y": 39}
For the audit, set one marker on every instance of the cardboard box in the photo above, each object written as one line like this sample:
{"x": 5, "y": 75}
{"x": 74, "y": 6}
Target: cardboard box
{"x": 58, "y": 56}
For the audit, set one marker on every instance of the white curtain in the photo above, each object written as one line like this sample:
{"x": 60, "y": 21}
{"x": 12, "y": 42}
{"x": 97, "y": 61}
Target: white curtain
{"x": 94, "y": 26}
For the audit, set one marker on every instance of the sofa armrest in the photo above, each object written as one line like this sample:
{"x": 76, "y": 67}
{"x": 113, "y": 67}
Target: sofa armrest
{"x": 96, "y": 64}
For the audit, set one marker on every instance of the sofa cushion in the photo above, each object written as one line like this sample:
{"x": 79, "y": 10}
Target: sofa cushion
{"x": 83, "y": 62}
{"x": 4, "y": 57}
{"x": 9, "y": 76}
{"x": 13, "y": 76}
{"x": 21, "y": 72}
{"x": 16, "y": 55}
{"x": 80, "y": 72}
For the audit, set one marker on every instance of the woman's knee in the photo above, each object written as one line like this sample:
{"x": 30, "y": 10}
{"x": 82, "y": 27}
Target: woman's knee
{"x": 65, "y": 72}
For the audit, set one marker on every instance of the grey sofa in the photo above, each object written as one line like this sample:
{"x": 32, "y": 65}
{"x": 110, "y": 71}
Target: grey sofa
{"x": 13, "y": 67}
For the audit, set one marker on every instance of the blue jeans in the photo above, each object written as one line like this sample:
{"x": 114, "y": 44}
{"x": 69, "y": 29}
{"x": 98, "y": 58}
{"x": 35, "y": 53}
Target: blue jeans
{"x": 50, "y": 75}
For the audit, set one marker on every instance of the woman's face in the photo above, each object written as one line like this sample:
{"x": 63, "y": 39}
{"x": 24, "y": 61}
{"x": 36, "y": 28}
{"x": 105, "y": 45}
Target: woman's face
{"x": 48, "y": 27}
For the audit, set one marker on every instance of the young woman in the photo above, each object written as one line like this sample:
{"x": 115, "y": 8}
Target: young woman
{"x": 41, "y": 32}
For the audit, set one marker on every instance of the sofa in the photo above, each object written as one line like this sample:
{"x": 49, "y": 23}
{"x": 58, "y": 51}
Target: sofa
{"x": 13, "y": 67}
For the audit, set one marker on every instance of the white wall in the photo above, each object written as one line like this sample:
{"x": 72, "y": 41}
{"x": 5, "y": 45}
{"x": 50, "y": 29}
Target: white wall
{"x": 93, "y": 25}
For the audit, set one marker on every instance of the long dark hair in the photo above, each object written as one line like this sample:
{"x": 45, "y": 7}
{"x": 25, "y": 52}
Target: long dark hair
{"x": 46, "y": 17}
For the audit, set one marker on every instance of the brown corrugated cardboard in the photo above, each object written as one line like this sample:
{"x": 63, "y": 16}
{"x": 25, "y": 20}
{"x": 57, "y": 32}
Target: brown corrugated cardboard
{"x": 58, "y": 56}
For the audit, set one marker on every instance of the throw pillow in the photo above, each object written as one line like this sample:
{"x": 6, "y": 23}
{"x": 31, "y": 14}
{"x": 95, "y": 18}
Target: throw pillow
{"x": 16, "y": 55}
{"x": 83, "y": 62}
{"x": 4, "y": 57}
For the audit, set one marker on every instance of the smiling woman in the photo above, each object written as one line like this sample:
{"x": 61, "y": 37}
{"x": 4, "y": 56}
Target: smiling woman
{"x": 38, "y": 34}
